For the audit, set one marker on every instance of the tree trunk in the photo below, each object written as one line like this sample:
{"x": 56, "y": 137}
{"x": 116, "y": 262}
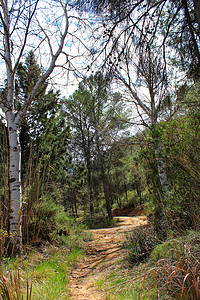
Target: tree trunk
{"x": 106, "y": 192}
{"x": 103, "y": 177}
{"x": 10, "y": 56}
{"x": 160, "y": 164}
{"x": 89, "y": 187}
{"x": 126, "y": 193}
{"x": 162, "y": 172}
{"x": 104, "y": 181}
{"x": 14, "y": 183}
{"x": 74, "y": 200}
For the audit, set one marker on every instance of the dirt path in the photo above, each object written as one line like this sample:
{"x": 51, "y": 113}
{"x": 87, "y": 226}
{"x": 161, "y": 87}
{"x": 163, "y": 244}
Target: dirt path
{"x": 104, "y": 252}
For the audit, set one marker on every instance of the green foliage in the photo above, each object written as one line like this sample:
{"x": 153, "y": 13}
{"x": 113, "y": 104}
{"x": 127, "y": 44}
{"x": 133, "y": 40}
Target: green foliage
{"x": 179, "y": 149}
{"x": 140, "y": 243}
{"x": 181, "y": 144}
{"x": 51, "y": 276}
{"x": 47, "y": 221}
{"x": 69, "y": 232}
{"x": 43, "y": 220}
{"x": 46, "y": 162}
{"x": 120, "y": 284}
{"x": 44, "y": 135}
{"x": 44, "y": 274}
{"x": 44, "y": 271}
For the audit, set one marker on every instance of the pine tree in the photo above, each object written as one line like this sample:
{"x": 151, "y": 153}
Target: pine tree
{"x": 94, "y": 113}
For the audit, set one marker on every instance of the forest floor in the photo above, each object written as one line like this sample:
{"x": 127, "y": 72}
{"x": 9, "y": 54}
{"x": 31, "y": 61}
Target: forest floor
{"x": 104, "y": 254}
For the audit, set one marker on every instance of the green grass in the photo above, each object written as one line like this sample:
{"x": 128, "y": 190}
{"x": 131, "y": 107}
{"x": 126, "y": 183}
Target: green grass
{"x": 47, "y": 272}
{"x": 51, "y": 276}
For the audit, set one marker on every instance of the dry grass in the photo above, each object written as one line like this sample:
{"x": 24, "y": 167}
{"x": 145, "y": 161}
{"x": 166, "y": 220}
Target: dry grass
{"x": 176, "y": 268}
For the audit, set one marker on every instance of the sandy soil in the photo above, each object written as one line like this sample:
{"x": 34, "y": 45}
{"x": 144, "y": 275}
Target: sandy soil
{"x": 104, "y": 252}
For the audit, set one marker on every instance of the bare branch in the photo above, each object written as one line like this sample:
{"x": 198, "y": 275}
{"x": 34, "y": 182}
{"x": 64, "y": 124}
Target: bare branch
{"x": 49, "y": 70}
{"x": 25, "y": 36}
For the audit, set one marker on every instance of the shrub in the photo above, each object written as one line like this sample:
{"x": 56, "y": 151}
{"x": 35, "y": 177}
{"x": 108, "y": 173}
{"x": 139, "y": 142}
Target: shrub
{"x": 49, "y": 222}
{"x": 41, "y": 221}
{"x": 140, "y": 243}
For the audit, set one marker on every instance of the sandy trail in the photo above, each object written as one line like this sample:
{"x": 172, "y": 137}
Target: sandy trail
{"x": 103, "y": 253}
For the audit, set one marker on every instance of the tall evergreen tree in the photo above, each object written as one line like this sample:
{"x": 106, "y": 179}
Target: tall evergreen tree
{"x": 43, "y": 125}
{"x": 94, "y": 113}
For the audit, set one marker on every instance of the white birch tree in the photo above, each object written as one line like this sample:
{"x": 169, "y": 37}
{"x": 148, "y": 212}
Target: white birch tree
{"x": 26, "y": 25}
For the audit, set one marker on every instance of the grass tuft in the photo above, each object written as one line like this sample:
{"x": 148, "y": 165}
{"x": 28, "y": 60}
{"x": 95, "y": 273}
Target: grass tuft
{"x": 14, "y": 287}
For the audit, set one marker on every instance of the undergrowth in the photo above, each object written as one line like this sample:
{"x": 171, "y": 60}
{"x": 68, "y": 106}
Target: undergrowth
{"x": 42, "y": 275}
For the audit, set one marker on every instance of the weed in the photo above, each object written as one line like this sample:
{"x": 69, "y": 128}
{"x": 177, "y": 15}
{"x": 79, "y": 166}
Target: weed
{"x": 123, "y": 284}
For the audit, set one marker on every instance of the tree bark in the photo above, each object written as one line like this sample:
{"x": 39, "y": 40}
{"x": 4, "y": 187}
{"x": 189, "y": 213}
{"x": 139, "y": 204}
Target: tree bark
{"x": 190, "y": 26}
{"x": 160, "y": 164}
{"x": 126, "y": 193}
{"x": 106, "y": 192}
{"x": 14, "y": 184}
{"x": 163, "y": 185}
{"x": 89, "y": 188}
{"x": 86, "y": 144}
{"x": 162, "y": 173}
{"x": 74, "y": 200}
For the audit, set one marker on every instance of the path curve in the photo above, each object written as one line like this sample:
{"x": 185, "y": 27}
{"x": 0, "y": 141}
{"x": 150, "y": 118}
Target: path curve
{"x": 103, "y": 253}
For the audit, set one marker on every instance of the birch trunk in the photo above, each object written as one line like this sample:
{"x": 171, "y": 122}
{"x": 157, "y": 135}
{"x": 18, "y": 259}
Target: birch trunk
{"x": 160, "y": 165}
{"x": 14, "y": 183}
